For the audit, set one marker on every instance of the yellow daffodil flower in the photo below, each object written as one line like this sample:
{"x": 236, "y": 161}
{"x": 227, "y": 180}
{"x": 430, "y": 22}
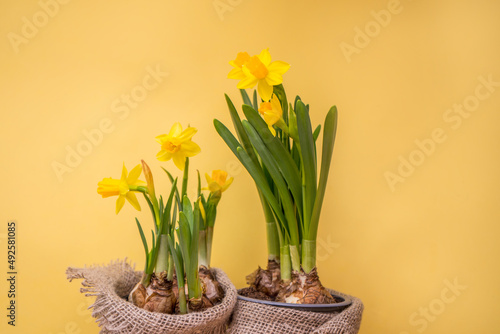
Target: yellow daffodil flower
{"x": 258, "y": 70}
{"x": 123, "y": 188}
{"x": 272, "y": 112}
{"x": 177, "y": 145}
{"x": 218, "y": 181}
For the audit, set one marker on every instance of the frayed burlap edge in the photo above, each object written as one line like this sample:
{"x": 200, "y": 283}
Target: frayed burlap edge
{"x": 258, "y": 318}
{"x": 112, "y": 283}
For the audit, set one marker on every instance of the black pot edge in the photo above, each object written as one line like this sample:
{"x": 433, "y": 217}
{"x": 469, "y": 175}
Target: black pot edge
{"x": 324, "y": 308}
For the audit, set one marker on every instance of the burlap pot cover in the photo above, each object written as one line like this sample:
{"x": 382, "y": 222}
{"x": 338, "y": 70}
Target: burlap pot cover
{"x": 113, "y": 282}
{"x": 255, "y": 318}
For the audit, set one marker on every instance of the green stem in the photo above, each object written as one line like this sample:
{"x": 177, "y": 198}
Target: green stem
{"x": 162, "y": 259}
{"x": 285, "y": 264}
{"x": 273, "y": 242}
{"x": 209, "y": 240}
{"x": 202, "y": 251}
{"x": 194, "y": 285}
{"x": 273, "y": 245}
{"x": 146, "y": 279}
{"x": 308, "y": 255}
{"x": 295, "y": 257}
{"x": 170, "y": 271}
{"x": 182, "y": 300}
{"x": 185, "y": 178}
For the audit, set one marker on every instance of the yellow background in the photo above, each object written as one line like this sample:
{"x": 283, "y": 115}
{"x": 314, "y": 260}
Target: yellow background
{"x": 394, "y": 247}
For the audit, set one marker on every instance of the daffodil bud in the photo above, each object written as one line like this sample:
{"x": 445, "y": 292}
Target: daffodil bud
{"x": 149, "y": 179}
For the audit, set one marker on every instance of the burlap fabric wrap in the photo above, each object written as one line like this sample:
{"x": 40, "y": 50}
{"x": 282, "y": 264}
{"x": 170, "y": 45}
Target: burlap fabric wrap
{"x": 257, "y": 318}
{"x": 113, "y": 282}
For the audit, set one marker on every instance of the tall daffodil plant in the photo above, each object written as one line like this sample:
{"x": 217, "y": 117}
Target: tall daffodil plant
{"x": 176, "y": 275}
{"x": 277, "y": 145}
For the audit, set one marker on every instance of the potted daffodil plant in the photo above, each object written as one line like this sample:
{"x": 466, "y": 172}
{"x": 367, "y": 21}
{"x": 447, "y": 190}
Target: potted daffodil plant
{"x": 177, "y": 282}
{"x": 277, "y": 145}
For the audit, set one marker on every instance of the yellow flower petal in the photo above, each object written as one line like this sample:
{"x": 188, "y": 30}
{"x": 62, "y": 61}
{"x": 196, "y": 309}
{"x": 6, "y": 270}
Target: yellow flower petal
{"x": 271, "y": 118}
{"x": 119, "y": 203}
{"x": 213, "y": 187}
{"x": 161, "y": 138}
{"x": 132, "y": 199}
{"x": 265, "y": 90}
{"x": 272, "y": 130}
{"x": 236, "y": 73}
{"x": 190, "y": 149}
{"x": 163, "y": 155}
{"x": 124, "y": 173}
{"x": 176, "y": 130}
{"x": 227, "y": 184}
{"x": 265, "y": 57}
{"x": 249, "y": 82}
{"x": 276, "y": 105}
{"x": 134, "y": 174}
{"x": 279, "y": 67}
{"x": 274, "y": 79}
{"x": 179, "y": 160}
{"x": 187, "y": 134}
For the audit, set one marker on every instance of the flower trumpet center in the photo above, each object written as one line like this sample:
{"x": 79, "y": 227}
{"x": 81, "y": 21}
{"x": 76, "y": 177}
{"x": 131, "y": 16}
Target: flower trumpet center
{"x": 257, "y": 68}
{"x": 171, "y": 147}
{"x": 265, "y": 107}
{"x": 241, "y": 59}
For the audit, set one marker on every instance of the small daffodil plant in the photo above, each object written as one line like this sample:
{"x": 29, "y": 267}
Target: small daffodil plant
{"x": 276, "y": 143}
{"x": 177, "y": 274}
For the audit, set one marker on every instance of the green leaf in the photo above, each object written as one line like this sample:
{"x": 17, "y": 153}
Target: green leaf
{"x": 255, "y": 101}
{"x": 184, "y": 237}
{"x": 258, "y": 176}
{"x": 177, "y": 195}
{"x": 153, "y": 254}
{"x": 160, "y": 209}
{"x": 168, "y": 208}
{"x": 279, "y": 90}
{"x": 326, "y": 158}
{"x": 272, "y": 166}
{"x": 239, "y": 129}
{"x": 297, "y": 98}
{"x": 199, "y": 183}
{"x": 227, "y": 136}
{"x": 187, "y": 209}
{"x": 143, "y": 238}
{"x": 280, "y": 154}
{"x": 316, "y": 132}
{"x": 150, "y": 204}
{"x": 308, "y": 155}
{"x": 177, "y": 257}
{"x": 185, "y": 178}
{"x": 195, "y": 234}
{"x": 244, "y": 95}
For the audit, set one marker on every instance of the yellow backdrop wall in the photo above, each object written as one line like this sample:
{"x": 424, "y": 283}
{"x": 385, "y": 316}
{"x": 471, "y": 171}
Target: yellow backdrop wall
{"x": 411, "y": 215}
